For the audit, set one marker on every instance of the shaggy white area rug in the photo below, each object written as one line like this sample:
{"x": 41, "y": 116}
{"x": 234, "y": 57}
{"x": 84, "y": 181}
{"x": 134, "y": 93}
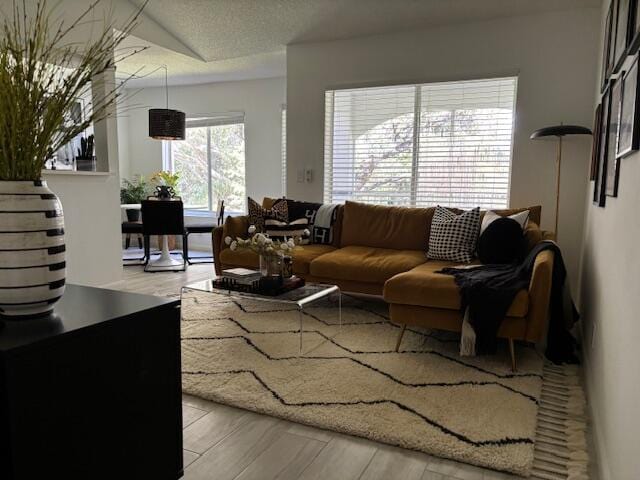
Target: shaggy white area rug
{"x": 350, "y": 379}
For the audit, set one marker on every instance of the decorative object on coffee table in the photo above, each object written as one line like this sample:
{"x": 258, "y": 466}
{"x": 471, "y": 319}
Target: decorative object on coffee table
{"x": 287, "y": 266}
{"x": 559, "y": 131}
{"x": 271, "y": 252}
{"x": 32, "y": 245}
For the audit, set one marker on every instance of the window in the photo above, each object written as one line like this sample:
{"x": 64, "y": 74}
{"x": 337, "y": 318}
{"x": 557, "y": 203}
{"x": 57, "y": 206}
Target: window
{"x": 283, "y": 147}
{"x": 421, "y": 145}
{"x": 211, "y": 164}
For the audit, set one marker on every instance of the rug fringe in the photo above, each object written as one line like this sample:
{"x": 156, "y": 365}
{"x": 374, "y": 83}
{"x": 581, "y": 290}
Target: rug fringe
{"x": 467, "y": 337}
{"x": 561, "y": 442}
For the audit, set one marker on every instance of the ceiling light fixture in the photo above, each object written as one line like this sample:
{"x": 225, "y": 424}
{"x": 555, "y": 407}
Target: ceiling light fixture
{"x": 165, "y": 123}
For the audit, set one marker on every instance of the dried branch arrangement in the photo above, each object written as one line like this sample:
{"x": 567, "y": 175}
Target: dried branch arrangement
{"x": 42, "y": 75}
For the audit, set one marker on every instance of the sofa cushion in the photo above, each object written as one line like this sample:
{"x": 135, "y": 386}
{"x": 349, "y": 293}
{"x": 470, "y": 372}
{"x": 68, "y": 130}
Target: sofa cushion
{"x": 366, "y": 264}
{"x": 422, "y": 286}
{"x": 533, "y": 235}
{"x": 301, "y": 258}
{"x": 235, "y": 227}
{"x": 386, "y": 227}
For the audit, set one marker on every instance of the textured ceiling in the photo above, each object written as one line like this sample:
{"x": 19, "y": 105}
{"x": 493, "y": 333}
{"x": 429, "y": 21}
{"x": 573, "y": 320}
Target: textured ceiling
{"x": 222, "y": 29}
{"x": 217, "y": 40}
{"x": 184, "y": 70}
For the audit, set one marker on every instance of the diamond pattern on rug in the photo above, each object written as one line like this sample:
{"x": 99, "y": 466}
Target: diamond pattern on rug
{"x": 245, "y": 353}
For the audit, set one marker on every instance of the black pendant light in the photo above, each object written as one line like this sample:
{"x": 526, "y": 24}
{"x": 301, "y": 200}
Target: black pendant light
{"x": 165, "y": 123}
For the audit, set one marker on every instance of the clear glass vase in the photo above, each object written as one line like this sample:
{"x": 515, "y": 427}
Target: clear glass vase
{"x": 270, "y": 266}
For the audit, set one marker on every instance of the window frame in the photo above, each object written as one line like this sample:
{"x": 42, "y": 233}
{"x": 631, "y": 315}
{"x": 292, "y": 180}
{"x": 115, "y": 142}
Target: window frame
{"x": 283, "y": 147}
{"x": 206, "y": 122}
{"x": 328, "y": 190}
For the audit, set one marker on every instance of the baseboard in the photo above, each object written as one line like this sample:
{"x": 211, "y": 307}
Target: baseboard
{"x": 602, "y": 471}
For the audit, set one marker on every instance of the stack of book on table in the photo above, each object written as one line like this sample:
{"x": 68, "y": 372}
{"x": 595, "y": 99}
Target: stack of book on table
{"x": 244, "y": 276}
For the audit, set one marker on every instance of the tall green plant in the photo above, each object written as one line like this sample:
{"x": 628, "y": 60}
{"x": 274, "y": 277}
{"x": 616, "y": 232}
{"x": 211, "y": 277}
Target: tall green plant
{"x": 134, "y": 191}
{"x": 36, "y": 97}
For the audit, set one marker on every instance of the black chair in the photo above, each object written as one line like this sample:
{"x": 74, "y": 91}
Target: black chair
{"x": 132, "y": 228}
{"x": 163, "y": 217}
{"x": 200, "y": 227}
{"x": 128, "y": 229}
{"x": 205, "y": 226}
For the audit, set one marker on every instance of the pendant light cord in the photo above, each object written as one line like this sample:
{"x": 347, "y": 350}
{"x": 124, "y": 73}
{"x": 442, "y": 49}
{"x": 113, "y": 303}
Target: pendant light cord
{"x": 166, "y": 83}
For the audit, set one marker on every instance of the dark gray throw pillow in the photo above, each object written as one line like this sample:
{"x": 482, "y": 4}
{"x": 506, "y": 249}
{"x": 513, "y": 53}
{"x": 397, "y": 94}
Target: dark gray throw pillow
{"x": 502, "y": 241}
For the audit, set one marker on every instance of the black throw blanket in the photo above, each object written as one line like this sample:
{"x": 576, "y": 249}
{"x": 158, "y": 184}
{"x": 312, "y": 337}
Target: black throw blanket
{"x": 489, "y": 290}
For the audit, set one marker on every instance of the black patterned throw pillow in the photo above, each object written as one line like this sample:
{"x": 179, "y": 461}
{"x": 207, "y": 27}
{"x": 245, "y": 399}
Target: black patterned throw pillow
{"x": 453, "y": 237}
{"x": 321, "y": 216}
{"x": 282, "y": 231}
{"x": 257, "y": 214}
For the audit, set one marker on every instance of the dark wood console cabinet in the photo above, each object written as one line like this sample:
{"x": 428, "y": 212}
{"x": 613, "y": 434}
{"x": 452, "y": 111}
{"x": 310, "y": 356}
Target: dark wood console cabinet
{"x": 95, "y": 392}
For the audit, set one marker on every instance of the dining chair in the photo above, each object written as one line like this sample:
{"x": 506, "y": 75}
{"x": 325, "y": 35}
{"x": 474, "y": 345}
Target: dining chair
{"x": 163, "y": 217}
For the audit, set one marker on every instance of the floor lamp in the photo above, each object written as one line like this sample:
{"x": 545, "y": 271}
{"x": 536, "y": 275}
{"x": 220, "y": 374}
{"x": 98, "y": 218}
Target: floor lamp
{"x": 559, "y": 131}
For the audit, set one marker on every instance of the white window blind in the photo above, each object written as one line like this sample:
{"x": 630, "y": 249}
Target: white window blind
{"x": 421, "y": 145}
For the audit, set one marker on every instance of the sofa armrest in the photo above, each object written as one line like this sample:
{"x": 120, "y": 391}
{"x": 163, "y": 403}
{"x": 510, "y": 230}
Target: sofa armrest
{"x": 539, "y": 295}
{"x": 233, "y": 227}
{"x": 218, "y": 242}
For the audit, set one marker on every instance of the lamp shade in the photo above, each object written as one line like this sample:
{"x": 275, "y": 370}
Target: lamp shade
{"x": 560, "y": 131}
{"x": 167, "y": 124}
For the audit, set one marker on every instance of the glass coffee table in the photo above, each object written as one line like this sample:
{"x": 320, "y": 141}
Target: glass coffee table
{"x": 300, "y": 297}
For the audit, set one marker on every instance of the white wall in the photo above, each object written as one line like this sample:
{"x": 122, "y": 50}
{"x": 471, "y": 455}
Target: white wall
{"x": 92, "y": 226}
{"x": 260, "y": 100}
{"x": 555, "y": 58}
{"x": 123, "y": 140}
{"x": 610, "y": 305}
{"x": 91, "y": 204}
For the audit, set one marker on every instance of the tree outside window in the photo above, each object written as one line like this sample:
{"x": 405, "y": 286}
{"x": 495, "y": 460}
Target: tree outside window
{"x": 211, "y": 164}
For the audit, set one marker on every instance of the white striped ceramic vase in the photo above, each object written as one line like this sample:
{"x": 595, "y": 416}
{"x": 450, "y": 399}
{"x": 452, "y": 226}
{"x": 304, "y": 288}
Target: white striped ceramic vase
{"x": 32, "y": 249}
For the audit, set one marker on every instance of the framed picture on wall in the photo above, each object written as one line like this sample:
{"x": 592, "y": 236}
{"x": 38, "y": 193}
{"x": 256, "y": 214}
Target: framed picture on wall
{"x": 622, "y": 9}
{"x": 629, "y": 137}
{"x": 612, "y": 170}
{"x": 634, "y": 27}
{"x": 595, "y": 146}
{"x": 606, "y": 49}
{"x": 599, "y": 196}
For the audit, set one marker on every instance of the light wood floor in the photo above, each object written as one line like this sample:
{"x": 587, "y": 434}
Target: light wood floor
{"x": 225, "y": 443}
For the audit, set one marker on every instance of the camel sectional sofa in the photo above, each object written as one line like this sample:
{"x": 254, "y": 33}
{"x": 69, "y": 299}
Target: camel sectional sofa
{"x": 382, "y": 251}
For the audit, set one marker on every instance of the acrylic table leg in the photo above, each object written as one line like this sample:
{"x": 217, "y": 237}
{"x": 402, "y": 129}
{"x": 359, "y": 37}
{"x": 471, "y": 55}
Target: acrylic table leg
{"x": 300, "y": 315}
{"x": 340, "y": 308}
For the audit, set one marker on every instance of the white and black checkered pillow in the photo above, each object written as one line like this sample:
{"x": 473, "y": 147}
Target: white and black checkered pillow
{"x": 453, "y": 237}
